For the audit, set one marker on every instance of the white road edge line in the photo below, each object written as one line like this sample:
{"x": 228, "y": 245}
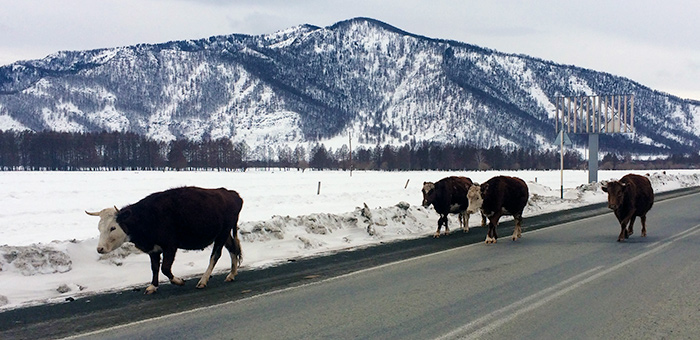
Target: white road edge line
{"x": 468, "y": 332}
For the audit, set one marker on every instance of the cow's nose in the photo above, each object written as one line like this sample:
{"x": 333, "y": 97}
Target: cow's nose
{"x": 101, "y": 250}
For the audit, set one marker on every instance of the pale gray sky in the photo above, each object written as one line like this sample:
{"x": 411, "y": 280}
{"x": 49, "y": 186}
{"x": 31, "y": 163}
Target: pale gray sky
{"x": 653, "y": 42}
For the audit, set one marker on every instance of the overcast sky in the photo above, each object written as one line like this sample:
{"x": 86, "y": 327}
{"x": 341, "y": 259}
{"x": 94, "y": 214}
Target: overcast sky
{"x": 656, "y": 43}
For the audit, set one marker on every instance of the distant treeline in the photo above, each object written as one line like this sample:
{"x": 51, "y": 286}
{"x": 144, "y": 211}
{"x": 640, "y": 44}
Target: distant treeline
{"x": 129, "y": 151}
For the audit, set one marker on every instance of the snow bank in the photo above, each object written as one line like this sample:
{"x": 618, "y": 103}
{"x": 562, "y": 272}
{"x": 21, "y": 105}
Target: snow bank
{"x": 59, "y": 270}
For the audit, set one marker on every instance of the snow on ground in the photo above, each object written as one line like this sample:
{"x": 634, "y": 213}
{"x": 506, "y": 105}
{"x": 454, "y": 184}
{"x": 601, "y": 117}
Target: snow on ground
{"x": 48, "y": 243}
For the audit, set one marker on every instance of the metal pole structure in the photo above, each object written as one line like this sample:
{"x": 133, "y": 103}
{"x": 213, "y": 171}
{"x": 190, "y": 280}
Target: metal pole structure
{"x": 606, "y": 115}
{"x": 556, "y": 115}
{"x": 619, "y": 113}
{"x": 632, "y": 113}
{"x": 568, "y": 115}
{"x": 624, "y": 119}
{"x": 561, "y": 161}
{"x": 593, "y": 157}
{"x": 575, "y": 117}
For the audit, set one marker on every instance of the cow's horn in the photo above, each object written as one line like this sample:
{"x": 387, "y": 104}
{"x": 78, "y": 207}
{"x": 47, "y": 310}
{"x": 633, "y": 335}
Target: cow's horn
{"x": 116, "y": 209}
{"x": 92, "y": 213}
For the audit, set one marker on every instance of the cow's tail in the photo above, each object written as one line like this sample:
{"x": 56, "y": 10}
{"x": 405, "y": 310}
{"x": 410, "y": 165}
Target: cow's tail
{"x": 237, "y": 247}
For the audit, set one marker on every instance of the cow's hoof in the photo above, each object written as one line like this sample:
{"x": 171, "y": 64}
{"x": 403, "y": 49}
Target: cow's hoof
{"x": 466, "y": 230}
{"x": 150, "y": 290}
{"x": 177, "y": 281}
{"x": 201, "y": 285}
{"x": 436, "y": 235}
{"x": 644, "y": 234}
{"x": 230, "y": 277}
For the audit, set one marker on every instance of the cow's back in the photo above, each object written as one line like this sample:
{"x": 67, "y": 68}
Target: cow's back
{"x": 643, "y": 194}
{"x": 451, "y": 191}
{"x": 187, "y": 217}
{"x": 505, "y": 192}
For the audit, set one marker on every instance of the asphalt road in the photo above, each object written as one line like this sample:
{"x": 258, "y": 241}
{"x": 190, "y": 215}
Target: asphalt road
{"x": 569, "y": 280}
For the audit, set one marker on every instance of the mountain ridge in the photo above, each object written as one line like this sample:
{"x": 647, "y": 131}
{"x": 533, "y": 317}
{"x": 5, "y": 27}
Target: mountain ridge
{"x": 310, "y": 84}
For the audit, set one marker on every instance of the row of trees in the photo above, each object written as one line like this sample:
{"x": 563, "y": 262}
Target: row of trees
{"x": 112, "y": 151}
{"x": 128, "y": 151}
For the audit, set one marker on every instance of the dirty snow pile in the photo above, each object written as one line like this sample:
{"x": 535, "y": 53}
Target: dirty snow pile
{"x": 47, "y": 242}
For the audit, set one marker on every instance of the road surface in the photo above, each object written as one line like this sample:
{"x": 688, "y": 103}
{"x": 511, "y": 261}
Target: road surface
{"x": 571, "y": 280}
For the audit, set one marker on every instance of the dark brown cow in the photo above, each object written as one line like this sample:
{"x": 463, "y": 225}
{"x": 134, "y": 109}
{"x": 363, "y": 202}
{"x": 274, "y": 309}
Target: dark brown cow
{"x": 630, "y": 197}
{"x": 449, "y": 196}
{"x": 500, "y": 195}
{"x": 182, "y": 218}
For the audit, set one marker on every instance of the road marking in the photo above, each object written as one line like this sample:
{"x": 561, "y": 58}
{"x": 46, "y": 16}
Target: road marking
{"x": 486, "y": 324}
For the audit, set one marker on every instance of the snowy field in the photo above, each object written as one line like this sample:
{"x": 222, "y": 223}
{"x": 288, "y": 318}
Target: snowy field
{"x": 47, "y": 242}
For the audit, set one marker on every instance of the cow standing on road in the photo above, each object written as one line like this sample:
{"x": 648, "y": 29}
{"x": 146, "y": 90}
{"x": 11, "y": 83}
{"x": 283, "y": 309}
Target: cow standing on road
{"x": 500, "y": 195}
{"x": 630, "y": 197}
{"x": 182, "y": 218}
{"x": 449, "y": 196}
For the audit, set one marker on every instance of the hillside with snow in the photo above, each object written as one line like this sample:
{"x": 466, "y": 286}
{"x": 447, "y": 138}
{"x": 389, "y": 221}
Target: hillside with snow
{"x": 309, "y": 84}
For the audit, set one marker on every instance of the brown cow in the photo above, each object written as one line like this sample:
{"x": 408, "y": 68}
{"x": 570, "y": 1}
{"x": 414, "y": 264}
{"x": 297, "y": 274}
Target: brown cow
{"x": 500, "y": 195}
{"x": 449, "y": 196}
{"x": 630, "y": 197}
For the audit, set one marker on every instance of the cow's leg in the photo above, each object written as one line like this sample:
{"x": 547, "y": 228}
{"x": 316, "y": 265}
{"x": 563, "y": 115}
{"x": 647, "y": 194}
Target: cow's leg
{"x": 623, "y": 226}
{"x": 168, "y": 259}
{"x": 233, "y": 245}
{"x": 518, "y": 222}
{"x": 630, "y": 228}
{"x": 483, "y": 220}
{"x": 155, "y": 268}
{"x": 215, "y": 255}
{"x": 644, "y": 225}
{"x": 492, "y": 235}
{"x": 442, "y": 220}
{"x": 464, "y": 219}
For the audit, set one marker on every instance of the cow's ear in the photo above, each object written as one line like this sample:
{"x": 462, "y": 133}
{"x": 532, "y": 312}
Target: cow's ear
{"x": 605, "y": 188}
{"x": 484, "y": 187}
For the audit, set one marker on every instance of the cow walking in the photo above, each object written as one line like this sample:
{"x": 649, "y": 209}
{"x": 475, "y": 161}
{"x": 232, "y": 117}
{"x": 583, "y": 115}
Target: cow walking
{"x": 630, "y": 197}
{"x": 449, "y": 196}
{"x": 182, "y": 218}
{"x": 500, "y": 195}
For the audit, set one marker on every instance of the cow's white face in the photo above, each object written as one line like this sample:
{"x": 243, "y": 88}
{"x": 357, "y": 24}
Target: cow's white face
{"x": 112, "y": 236}
{"x": 428, "y": 193}
{"x": 475, "y": 199}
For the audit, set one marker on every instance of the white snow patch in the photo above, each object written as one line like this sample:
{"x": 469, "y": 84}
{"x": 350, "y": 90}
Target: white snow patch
{"x": 8, "y": 123}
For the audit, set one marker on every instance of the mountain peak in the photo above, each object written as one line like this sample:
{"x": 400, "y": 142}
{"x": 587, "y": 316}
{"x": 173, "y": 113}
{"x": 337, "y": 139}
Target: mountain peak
{"x": 308, "y": 84}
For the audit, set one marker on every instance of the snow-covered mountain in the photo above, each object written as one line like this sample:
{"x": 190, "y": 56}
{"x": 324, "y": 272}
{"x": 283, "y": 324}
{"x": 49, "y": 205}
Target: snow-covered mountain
{"x": 313, "y": 84}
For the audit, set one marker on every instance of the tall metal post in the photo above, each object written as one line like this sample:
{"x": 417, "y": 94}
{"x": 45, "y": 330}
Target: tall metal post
{"x": 593, "y": 157}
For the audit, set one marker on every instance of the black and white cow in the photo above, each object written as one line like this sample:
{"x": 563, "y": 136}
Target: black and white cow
{"x": 181, "y": 218}
{"x": 449, "y": 196}
{"x": 500, "y": 195}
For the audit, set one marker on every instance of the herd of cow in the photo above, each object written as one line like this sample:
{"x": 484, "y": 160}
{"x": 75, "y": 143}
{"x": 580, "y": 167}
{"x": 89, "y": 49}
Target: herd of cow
{"x": 194, "y": 218}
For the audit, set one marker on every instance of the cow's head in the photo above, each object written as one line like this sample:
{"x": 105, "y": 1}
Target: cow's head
{"x": 476, "y": 200}
{"x": 428, "y": 193}
{"x": 112, "y": 236}
{"x": 616, "y": 193}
